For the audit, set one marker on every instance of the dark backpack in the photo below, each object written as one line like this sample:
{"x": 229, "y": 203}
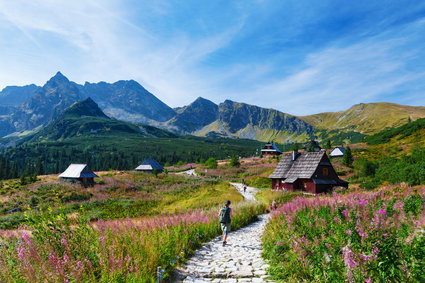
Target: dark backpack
{"x": 224, "y": 215}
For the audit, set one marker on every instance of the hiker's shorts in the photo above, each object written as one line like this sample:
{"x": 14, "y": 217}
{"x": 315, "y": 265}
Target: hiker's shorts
{"x": 225, "y": 227}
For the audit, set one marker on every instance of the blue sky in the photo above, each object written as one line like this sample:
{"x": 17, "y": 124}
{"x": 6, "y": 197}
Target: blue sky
{"x": 300, "y": 57}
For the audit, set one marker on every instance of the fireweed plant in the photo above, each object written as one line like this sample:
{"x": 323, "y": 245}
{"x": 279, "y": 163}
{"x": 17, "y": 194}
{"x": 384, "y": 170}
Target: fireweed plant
{"x": 375, "y": 236}
{"x": 57, "y": 248}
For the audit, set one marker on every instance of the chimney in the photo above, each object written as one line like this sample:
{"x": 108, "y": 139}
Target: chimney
{"x": 294, "y": 154}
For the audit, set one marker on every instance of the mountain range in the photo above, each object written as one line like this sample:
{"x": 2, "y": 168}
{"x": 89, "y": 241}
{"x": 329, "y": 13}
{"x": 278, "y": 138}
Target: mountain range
{"x": 29, "y": 109}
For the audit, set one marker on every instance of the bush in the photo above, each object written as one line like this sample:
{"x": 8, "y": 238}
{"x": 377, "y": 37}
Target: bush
{"x": 211, "y": 163}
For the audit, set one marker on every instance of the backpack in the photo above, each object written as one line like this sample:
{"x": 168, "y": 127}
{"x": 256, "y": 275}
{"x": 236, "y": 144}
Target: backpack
{"x": 224, "y": 215}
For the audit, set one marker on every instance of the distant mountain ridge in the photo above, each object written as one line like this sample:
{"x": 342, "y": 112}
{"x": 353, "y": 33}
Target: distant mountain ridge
{"x": 30, "y": 108}
{"x": 367, "y": 118}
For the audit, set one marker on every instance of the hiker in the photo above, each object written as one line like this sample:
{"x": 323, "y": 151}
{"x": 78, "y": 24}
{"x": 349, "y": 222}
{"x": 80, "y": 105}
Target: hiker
{"x": 224, "y": 218}
{"x": 273, "y": 205}
{"x": 243, "y": 181}
{"x": 244, "y": 189}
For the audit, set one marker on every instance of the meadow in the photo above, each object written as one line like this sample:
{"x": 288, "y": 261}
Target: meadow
{"x": 360, "y": 236}
{"x": 121, "y": 229}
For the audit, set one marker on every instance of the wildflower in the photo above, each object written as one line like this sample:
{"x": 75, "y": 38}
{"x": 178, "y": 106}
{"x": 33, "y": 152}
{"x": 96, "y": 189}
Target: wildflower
{"x": 20, "y": 252}
{"x": 25, "y": 236}
{"x": 368, "y": 280}
{"x": 345, "y": 212}
{"x": 349, "y": 232}
{"x": 80, "y": 265}
{"x": 382, "y": 211}
{"x": 173, "y": 261}
{"x": 100, "y": 261}
{"x": 64, "y": 241}
{"x": 102, "y": 239}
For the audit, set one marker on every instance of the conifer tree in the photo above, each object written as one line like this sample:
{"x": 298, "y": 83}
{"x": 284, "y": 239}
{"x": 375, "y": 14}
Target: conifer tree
{"x": 347, "y": 158}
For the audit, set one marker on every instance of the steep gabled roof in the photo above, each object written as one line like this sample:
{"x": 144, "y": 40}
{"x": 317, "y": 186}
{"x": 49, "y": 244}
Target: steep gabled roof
{"x": 150, "y": 164}
{"x": 78, "y": 171}
{"x": 303, "y": 167}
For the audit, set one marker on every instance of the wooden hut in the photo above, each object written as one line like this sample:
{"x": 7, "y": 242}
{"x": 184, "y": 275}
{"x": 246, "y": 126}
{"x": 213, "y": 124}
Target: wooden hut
{"x": 270, "y": 149}
{"x": 310, "y": 172}
{"x": 79, "y": 173}
{"x": 150, "y": 165}
{"x": 337, "y": 152}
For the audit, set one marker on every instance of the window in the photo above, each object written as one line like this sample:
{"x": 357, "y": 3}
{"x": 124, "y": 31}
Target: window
{"x": 325, "y": 171}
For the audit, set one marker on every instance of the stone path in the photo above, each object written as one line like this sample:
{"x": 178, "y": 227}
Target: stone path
{"x": 190, "y": 172}
{"x": 239, "y": 261}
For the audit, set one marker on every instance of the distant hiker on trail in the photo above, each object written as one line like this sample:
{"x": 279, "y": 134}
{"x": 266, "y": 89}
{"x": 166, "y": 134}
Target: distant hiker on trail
{"x": 224, "y": 218}
{"x": 243, "y": 181}
{"x": 244, "y": 189}
{"x": 273, "y": 205}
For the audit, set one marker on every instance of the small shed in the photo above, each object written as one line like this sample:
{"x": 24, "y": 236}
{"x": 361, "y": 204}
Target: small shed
{"x": 79, "y": 173}
{"x": 337, "y": 152}
{"x": 310, "y": 172}
{"x": 270, "y": 149}
{"x": 149, "y": 165}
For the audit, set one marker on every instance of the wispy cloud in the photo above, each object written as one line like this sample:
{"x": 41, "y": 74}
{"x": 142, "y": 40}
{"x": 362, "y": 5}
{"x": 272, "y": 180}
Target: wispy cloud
{"x": 270, "y": 53}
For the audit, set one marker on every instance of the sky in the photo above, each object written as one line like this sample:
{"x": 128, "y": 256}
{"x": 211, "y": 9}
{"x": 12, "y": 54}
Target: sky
{"x": 299, "y": 57}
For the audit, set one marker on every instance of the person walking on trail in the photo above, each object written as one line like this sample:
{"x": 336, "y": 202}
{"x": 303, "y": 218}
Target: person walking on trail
{"x": 224, "y": 218}
{"x": 244, "y": 189}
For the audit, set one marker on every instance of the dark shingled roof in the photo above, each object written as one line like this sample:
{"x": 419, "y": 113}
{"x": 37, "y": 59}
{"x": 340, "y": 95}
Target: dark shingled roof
{"x": 303, "y": 167}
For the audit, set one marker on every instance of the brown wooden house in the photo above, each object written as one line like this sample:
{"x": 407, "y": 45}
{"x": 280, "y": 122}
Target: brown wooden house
{"x": 310, "y": 172}
{"x": 270, "y": 149}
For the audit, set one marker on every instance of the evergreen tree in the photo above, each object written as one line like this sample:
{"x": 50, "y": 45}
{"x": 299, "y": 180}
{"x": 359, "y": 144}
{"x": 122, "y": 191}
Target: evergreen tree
{"x": 39, "y": 168}
{"x": 328, "y": 144}
{"x": 347, "y": 158}
{"x": 234, "y": 162}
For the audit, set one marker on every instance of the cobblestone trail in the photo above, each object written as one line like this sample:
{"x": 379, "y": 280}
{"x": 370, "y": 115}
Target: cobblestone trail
{"x": 190, "y": 172}
{"x": 239, "y": 261}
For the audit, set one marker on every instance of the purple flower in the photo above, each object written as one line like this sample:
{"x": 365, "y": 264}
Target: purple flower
{"x": 349, "y": 232}
{"x": 345, "y": 212}
{"x": 64, "y": 241}
{"x": 382, "y": 211}
{"x": 20, "y": 252}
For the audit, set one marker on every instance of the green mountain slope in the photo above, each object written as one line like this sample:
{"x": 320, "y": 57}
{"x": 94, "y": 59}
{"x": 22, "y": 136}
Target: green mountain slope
{"x": 412, "y": 129}
{"x": 82, "y": 118}
{"x": 366, "y": 118}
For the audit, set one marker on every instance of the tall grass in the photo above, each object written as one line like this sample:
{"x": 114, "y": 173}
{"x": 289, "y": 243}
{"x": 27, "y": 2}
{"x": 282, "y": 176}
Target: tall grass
{"x": 359, "y": 236}
{"x": 64, "y": 249}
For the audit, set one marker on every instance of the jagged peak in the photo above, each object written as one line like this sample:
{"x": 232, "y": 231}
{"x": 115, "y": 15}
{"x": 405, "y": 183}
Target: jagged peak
{"x": 201, "y": 100}
{"x": 58, "y": 77}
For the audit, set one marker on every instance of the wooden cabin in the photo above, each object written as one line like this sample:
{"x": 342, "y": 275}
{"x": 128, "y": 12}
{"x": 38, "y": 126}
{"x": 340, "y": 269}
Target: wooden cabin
{"x": 79, "y": 173}
{"x": 337, "y": 152}
{"x": 310, "y": 172}
{"x": 270, "y": 149}
{"x": 150, "y": 165}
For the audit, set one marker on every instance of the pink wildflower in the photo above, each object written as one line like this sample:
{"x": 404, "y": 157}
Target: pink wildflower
{"x": 382, "y": 211}
{"x": 345, "y": 212}
{"x": 64, "y": 241}
{"x": 20, "y": 251}
{"x": 349, "y": 232}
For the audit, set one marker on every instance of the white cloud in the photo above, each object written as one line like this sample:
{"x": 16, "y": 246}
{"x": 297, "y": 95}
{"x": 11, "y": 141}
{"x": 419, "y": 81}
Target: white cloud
{"x": 338, "y": 77}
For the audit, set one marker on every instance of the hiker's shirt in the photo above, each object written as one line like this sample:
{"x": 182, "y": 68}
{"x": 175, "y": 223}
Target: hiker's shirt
{"x": 225, "y": 214}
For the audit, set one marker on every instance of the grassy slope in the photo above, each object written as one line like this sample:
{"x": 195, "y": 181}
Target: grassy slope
{"x": 366, "y": 118}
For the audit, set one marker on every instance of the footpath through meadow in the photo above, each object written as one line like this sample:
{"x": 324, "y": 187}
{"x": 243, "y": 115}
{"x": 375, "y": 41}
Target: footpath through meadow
{"x": 239, "y": 261}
